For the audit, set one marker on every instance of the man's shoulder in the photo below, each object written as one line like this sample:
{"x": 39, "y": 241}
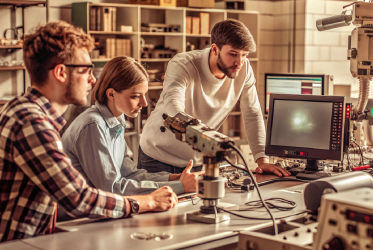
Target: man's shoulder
{"x": 21, "y": 109}
{"x": 187, "y": 57}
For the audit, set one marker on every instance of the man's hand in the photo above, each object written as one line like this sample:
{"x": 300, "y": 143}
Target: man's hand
{"x": 265, "y": 166}
{"x": 189, "y": 179}
{"x": 161, "y": 199}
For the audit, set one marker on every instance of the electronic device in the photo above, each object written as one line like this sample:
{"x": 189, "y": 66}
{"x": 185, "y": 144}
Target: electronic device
{"x": 293, "y": 235}
{"x": 346, "y": 181}
{"x": 215, "y": 147}
{"x": 346, "y": 220}
{"x": 297, "y": 84}
{"x": 306, "y": 127}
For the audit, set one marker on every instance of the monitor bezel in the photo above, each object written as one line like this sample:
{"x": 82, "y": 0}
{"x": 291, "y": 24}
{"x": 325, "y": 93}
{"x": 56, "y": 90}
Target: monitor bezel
{"x": 317, "y": 154}
{"x": 266, "y": 75}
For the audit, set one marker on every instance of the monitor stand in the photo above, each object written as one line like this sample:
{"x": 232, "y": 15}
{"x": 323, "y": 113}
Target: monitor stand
{"x": 311, "y": 172}
{"x": 313, "y": 166}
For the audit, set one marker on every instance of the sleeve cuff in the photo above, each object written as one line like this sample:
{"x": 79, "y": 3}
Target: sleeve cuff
{"x": 259, "y": 155}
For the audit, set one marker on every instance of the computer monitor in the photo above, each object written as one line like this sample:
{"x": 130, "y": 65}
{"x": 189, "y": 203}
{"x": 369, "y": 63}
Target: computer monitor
{"x": 307, "y": 127}
{"x": 297, "y": 84}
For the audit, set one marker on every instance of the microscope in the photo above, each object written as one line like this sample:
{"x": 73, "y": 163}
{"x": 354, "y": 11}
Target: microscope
{"x": 215, "y": 147}
{"x": 360, "y": 50}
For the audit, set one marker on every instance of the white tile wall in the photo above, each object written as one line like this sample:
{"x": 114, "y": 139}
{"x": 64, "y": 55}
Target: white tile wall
{"x": 315, "y": 6}
{"x": 338, "y": 53}
{"x": 326, "y": 38}
{"x": 311, "y": 53}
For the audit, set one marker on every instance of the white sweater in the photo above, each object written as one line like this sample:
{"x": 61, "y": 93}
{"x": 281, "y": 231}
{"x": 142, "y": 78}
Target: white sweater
{"x": 190, "y": 87}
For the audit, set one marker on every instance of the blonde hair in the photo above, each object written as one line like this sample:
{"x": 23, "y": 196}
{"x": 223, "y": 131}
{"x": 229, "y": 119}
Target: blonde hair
{"x": 50, "y": 45}
{"x": 119, "y": 73}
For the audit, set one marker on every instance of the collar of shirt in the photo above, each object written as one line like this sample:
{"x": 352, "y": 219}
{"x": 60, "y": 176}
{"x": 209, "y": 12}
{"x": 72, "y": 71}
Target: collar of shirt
{"x": 118, "y": 124}
{"x": 35, "y": 96}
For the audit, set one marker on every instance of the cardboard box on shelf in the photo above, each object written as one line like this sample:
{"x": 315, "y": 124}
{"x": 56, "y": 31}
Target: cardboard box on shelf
{"x": 196, "y": 3}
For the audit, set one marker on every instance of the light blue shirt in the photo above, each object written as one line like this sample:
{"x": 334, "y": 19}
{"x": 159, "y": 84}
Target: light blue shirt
{"x": 96, "y": 146}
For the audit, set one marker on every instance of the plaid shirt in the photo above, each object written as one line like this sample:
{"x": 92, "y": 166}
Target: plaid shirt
{"x": 35, "y": 173}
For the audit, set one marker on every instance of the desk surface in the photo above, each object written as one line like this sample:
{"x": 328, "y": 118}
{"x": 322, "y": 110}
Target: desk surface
{"x": 116, "y": 234}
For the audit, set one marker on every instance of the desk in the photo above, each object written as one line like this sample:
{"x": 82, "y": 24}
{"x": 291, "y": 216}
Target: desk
{"x": 115, "y": 234}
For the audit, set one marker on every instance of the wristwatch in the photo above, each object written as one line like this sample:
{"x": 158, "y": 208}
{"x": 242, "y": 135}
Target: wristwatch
{"x": 135, "y": 206}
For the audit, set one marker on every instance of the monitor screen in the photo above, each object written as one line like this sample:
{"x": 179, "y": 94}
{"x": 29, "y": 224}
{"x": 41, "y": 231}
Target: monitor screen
{"x": 306, "y": 127}
{"x": 296, "y": 84}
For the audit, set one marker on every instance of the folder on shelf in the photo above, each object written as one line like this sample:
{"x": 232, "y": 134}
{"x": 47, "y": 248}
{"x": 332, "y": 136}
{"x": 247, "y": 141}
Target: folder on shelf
{"x": 196, "y": 25}
{"x": 205, "y": 23}
{"x": 188, "y": 24}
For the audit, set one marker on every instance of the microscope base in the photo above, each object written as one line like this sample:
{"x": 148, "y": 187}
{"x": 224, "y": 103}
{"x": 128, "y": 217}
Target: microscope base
{"x": 211, "y": 218}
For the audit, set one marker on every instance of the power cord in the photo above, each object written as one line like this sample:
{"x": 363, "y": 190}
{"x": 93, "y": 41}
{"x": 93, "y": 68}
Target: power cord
{"x": 235, "y": 148}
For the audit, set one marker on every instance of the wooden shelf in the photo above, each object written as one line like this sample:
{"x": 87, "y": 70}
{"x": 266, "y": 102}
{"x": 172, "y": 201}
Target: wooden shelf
{"x": 22, "y": 3}
{"x": 161, "y": 33}
{"x": 99, "y": 32}
{"x": 198, "y": 35}
{"x": 12, "y": 67}
{"x": 155, "y": 59}
{"x": 11, "y": 46}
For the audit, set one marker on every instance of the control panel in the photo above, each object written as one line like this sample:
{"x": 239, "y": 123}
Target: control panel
{"x": 337, "y": 130}
{"x": 346, "y": 221}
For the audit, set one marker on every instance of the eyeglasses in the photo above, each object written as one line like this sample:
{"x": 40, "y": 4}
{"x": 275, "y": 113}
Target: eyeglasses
{"x": 89, "y": 67}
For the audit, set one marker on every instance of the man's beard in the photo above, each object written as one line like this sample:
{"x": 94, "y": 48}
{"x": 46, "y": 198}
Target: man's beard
{"x": 225, "y": 69}
{"x": 71, "y": 97}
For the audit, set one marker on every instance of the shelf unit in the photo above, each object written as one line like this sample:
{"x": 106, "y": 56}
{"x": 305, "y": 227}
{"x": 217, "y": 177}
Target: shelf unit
{"x": 134, "y": 15}
{"x": 9, "y": 49}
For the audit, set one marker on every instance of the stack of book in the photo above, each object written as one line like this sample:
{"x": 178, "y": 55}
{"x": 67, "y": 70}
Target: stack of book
{"x": 118, "y": 47}
{"x": 198, "y": 24}
{"x": 103, "y": 18}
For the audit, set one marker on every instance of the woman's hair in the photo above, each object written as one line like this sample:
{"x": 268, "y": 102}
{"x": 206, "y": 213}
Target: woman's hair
{"x": 119, "y": 73}
{"x": 52, "y": 44}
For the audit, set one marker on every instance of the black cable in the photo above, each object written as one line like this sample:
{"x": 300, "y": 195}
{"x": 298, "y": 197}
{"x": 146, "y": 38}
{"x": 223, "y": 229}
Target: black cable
{"x": 256, "y": 218}
{"x": 255, "y": 184}
{"x": 253, "y": 205}
{"x": 361, "y": 153}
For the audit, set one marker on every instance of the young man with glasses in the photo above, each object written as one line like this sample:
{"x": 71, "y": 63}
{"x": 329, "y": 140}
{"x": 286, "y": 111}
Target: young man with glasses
{"x": 35, "y": 173}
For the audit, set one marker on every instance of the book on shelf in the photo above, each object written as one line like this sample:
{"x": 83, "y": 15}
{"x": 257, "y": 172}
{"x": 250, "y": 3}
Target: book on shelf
{"x": 188, "y": 25}
{"x": 205, "y": 23}
{"x": 118, "y": 47}
{"x": 103, "y": 18}
{"x": 92, "y": 18}
{"x": 196, "y": 25}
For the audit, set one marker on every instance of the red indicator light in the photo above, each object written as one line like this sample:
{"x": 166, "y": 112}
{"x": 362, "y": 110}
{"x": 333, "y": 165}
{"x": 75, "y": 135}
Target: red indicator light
{"x": 301, "y": 153}
{"x": 366, "y": 218}
{"x": 351, "y": 215}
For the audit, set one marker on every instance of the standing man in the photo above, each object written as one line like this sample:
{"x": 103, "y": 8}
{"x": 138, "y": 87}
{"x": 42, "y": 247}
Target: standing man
{"x": 207, "y": 84}
{"x": 35, "y": 173}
